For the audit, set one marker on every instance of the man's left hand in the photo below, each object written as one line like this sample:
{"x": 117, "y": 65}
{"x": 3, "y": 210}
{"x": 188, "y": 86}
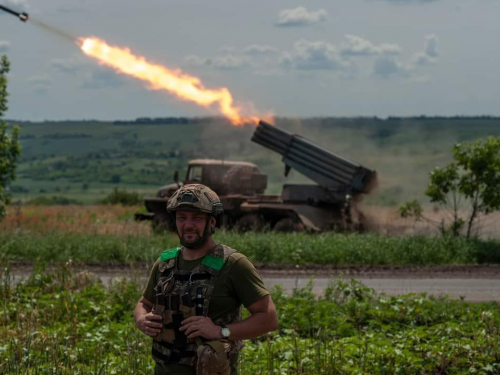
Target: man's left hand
{"x": 197, "y": 326}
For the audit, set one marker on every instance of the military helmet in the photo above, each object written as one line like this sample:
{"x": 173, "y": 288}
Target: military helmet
{"x": 196, "y": 197}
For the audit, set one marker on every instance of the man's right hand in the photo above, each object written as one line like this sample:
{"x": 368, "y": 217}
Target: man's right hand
{"x": 150, "y": 324}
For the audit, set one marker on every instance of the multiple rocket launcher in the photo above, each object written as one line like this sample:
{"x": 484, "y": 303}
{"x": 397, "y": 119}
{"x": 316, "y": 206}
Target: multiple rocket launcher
{"x": 22, "y": 16}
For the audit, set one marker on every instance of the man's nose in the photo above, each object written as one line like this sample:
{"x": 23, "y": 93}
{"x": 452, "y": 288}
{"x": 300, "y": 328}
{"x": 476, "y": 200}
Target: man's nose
{"x": 189, "y": 223}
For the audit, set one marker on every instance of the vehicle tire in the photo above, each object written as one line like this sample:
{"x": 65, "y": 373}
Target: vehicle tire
{"x": 160, "y": 223}
{"x": 289, "y": 225}
{"x": 249, "y": 223}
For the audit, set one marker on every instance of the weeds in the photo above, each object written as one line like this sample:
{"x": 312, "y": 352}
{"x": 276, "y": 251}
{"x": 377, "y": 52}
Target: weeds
{"x": 89, "y": 220}
{"x": 55, "y": 323}
{"x": 108, "y": 234}
{"x": 268, "y": 248}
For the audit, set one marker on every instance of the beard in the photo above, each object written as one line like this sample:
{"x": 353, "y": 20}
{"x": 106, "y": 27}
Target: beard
{"x": 193, "y": 243}
{"x": 198, "y": 241}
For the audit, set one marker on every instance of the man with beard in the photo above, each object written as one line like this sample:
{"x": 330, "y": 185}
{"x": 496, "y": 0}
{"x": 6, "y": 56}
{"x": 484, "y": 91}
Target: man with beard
{"x": 191, "y": 306}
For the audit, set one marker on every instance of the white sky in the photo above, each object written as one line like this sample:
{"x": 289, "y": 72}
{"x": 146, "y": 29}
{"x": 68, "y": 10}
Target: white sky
{"x": 314, "y": 58}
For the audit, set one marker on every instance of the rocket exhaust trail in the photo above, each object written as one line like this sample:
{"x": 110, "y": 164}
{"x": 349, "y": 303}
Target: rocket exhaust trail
{"x": 55, "y": 31}
{"x": 159, "y": 77}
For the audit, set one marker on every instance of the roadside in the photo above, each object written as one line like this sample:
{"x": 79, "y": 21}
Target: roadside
{"x": 474, "y": 283}
{"x": 465, "y": 271}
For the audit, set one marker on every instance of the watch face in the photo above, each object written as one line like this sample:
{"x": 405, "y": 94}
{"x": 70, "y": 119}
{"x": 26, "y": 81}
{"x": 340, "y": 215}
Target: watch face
{"x": 225, "y": 332}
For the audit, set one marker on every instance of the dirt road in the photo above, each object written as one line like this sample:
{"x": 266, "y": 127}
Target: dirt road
{"x": 473, "y": 283}
{"x": 472, "y": 290}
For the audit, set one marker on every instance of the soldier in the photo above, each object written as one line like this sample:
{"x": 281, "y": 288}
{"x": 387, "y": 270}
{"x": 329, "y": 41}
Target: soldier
{"x": 191, "y": 306}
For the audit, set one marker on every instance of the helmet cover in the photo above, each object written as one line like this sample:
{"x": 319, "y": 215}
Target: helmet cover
{"x": 196, "y": 197}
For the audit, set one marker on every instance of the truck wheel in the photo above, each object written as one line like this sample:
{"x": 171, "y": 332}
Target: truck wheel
{"x": 251, "y": 222}
{"x": 160, "y": 223}
{"x": 288, "y": 225}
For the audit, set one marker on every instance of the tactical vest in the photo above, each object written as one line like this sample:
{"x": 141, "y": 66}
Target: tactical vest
{"x": 181, "y": 294}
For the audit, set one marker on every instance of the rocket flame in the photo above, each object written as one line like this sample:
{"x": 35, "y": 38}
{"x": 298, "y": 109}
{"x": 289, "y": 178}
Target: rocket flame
{"x": 174, "y": 81}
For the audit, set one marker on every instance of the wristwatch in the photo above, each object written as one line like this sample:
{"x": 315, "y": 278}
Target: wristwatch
{"x": 225, "y": 332}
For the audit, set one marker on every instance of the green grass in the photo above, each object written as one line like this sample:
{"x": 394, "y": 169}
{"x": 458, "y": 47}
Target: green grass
{"x": 68, "y": 323}
{"x": 294, "y": 248}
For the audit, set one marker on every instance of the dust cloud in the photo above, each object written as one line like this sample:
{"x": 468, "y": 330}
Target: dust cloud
{"x": 402, "y": 155}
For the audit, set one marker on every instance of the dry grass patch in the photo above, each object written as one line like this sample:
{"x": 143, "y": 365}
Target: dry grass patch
{"x": 96, "y": 219}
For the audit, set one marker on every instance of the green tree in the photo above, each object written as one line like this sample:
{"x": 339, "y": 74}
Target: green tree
{"x": 470, "y": 184}
{"x": 10, "y": 148}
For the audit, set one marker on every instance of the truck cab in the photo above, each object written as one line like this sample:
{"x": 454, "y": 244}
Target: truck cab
{"x": 222, "y": 176}
{"x": 233, "y": 181}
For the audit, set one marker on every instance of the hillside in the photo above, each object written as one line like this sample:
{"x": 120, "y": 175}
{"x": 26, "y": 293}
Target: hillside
{"x": 84, "y": 160}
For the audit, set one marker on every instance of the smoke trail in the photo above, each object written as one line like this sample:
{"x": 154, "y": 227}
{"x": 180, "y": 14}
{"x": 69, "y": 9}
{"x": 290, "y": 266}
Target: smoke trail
{"x": 54, "y": 31}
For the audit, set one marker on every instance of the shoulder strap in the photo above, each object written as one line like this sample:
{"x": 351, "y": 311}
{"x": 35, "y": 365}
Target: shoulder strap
{"x": 213, "y": 263}
{"x": 169, "y": 254}
{"x": 168, "y": 257}
{"x": 216, "y": 258}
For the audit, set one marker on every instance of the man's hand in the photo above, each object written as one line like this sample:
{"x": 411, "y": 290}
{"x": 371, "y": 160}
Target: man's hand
{"x": 150, "y": 324}
{"x": 196, "y": 326}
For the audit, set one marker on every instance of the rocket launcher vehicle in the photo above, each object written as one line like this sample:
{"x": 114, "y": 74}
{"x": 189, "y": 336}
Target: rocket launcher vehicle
{"x": 329, "y": 170}
{"x": 22, "y": 16}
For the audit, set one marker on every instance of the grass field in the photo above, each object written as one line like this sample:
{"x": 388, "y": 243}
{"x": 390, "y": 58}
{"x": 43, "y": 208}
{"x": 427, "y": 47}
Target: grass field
{"x": 285, "y": 249}
{"x": 96, "y": 219}
{"x": 67, "y": 323}
{"x": 98, "y": 234}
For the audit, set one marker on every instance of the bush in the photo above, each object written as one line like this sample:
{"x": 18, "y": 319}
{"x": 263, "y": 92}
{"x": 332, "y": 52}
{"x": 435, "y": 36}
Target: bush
{"x": 123, "y": 197}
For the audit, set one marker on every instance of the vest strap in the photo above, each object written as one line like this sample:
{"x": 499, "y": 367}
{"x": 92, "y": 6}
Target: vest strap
{"x": 174, "y": 356}
{"x": 192, "y": 276}
{"x": 169, "y": 254}
{"x": 213, "y": 262}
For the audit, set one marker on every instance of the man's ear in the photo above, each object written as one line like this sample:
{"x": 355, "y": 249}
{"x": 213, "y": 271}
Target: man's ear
{"x": 213, "y": 222}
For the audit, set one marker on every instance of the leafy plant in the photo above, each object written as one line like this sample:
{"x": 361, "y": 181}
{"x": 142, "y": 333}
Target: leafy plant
{"x": 65, "y": 321}
{"x": 10, "y": 148}
{"x": 472, "y": 181}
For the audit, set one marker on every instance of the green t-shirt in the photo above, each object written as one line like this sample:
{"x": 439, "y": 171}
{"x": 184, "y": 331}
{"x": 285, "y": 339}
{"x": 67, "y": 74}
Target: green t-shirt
{"x": 238, "y": 284}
